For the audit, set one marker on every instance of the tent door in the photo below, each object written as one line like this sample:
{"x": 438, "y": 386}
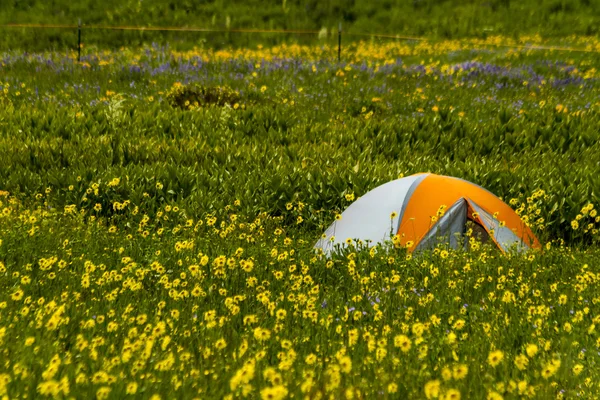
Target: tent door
{"x": 448, "y": 229}
{"x": 503, "y": 237}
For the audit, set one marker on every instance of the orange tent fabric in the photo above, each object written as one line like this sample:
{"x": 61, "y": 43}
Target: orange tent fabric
{"x": 435, "y": 191}
{"x": 424, "y": 209}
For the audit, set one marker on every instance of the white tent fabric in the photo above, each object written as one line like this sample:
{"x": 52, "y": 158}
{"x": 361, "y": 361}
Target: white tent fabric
{"x": 373, "y": 223}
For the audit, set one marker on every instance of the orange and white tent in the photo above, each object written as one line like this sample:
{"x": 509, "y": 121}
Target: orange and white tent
{"x": 420, "y": 211}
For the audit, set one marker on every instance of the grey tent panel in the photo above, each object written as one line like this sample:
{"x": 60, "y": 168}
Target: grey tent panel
{"x": 409, "y": 194}
{"x": 448, "y": 229}
{"x": 505, "y": 238}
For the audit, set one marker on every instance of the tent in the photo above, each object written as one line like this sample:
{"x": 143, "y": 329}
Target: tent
{"x": 420, "y": 211}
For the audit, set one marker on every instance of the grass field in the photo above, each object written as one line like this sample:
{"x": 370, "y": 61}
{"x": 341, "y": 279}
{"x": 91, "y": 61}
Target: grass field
{"x": 158, "y": 210}
{"x": 441, "y": 19}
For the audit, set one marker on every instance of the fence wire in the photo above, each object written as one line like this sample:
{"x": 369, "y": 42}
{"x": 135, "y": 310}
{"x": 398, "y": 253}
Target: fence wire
{"x": 285, "y": 31}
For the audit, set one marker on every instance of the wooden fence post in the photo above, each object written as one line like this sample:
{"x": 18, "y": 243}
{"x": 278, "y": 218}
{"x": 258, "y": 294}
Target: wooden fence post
{"x": 79, "y": 41}
{"x": 340, "y": 42}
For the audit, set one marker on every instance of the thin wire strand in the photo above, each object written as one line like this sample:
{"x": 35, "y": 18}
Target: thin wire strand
{"x": 39, "y": 26}
{"x": 159, "y": 28}
{"x": 389, "y": 36}
{"x": 283, "y": 31}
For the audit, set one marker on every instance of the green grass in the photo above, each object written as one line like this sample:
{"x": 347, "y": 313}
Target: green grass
{"x": 430, "y": 18}
{"x": 155, "y": 248}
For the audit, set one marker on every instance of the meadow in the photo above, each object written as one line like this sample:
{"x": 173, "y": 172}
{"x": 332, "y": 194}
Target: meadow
{"x": 158, "y": 208}
{"x": 439, "y": 19}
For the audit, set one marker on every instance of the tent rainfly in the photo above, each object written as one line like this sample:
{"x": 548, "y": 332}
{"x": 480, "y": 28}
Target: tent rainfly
{"x": 423, "y": 210}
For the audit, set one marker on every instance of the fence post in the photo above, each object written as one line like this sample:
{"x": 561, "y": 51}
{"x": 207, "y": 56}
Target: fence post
{"x": 340, "y": 42}
{"x": 79, "y": 41}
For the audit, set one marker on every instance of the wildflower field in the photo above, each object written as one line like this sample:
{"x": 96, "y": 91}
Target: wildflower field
{"x": 158, "y": 210}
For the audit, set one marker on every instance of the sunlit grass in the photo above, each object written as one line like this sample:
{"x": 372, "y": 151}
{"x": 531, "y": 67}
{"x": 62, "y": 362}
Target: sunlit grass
{"x": 157, "y": 249}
